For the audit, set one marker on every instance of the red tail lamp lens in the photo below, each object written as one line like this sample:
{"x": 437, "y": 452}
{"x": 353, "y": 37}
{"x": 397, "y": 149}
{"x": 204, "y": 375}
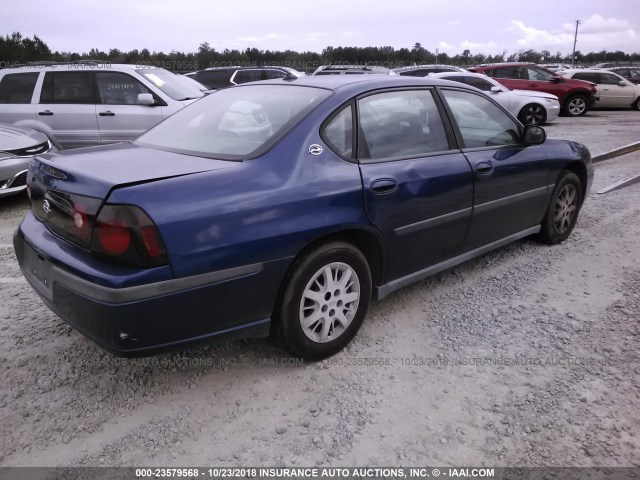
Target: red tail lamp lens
{"x": 114, "y": 239}
{"x": 126, "y": 233}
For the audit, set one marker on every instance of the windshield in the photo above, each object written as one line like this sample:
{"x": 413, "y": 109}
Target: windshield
{"x": 234, "y": 123}
{"x": 170, "y": 84}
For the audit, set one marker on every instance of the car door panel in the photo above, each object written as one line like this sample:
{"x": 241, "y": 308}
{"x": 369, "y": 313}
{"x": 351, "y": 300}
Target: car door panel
{"x": 120, "y": 117}
{"x": 424, "y": 219}
{"x": 67, "y": 108}
{"x": 510, "y": 179}
{"x": 417, "y": 191}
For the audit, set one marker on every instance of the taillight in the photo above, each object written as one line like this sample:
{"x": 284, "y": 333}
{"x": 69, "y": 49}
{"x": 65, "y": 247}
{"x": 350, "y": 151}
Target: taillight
{"x": 127, "y": 234}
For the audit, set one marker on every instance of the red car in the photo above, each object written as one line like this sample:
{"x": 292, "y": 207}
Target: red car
{"x": 576, "y": 96}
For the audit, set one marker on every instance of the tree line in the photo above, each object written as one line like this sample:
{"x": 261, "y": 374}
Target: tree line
{"x": 16, "y": 49}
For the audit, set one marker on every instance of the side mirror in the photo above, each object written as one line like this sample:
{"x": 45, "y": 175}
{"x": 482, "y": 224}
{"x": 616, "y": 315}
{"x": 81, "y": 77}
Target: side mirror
{"x": 556, "y": 79}
{"x": 534, "y": 135}
{"x": 495, "y": 89}
{"x": 622, "y": 83}
{"x": 146, "y": 99}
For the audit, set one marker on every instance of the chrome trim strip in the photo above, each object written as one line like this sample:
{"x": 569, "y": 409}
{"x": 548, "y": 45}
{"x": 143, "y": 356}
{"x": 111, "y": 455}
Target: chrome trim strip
{"x": 384, "y": 290}
{"x": 501, "y": 202}
{"x": 433, "y": 222}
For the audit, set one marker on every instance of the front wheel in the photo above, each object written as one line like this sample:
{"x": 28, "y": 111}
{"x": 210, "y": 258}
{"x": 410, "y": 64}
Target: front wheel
{"x": 636, "y": 104}
{"x": 575, "y": 106}
{"x": 563, "y": 210}
{"x": 324, "y": 302}
{"x": 532, "y": 114}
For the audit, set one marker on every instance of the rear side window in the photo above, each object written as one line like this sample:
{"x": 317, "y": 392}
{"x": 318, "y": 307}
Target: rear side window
{"x": 401, "y": 124}
{"x": 481, "y": 123}
{"x": 18, "y": 87}
{"x": 588, "y": 76}
{"x": 213, "y": 78}
{"x": 116, "y": 88}
{"x": 338, "y": 133}
{"x": 508, "y": 72}
{"x": 67, "y": 87}
{"x": 244, "y": 76}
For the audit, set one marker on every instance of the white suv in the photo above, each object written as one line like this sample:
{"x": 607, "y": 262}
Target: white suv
{"x": 90, "y": 103}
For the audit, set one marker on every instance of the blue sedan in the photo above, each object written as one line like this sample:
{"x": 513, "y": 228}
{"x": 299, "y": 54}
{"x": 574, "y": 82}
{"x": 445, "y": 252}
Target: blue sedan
{"x": 284, "y": 207}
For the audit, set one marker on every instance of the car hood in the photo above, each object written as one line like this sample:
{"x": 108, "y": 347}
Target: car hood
{"x": 532, "y": 93}
{"x": 13, "y": 137}
{"x": 95, "y": 171}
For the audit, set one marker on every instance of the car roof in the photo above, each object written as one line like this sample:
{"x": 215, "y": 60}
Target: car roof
{"x": 77, "y": 66}
{"x": 372, "y": 82}
{"x": 432, "y": 65}
{"x": 586, "y": 70}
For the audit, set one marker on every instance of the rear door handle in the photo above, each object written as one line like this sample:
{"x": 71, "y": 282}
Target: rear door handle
{"x": 46, "y": 113}
{"x": 383, "y": 186}
{"x": 108, "y": 113}
{"x": 484, "y": 169}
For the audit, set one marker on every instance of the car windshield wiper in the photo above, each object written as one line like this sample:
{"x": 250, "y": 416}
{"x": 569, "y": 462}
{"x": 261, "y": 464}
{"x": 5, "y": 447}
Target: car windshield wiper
{"x": 188, "y": 98}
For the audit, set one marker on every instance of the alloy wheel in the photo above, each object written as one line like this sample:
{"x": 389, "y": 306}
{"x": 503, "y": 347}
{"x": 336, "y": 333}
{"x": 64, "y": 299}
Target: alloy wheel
{"x": 565, "y": 208}
{"x": 329, "y": 302}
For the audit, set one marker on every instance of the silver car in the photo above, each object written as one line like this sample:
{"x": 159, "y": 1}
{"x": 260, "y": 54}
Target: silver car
{"x": 89, "y": 103}
{"x": 17, "y": 146}
{"x": 530, "y": 107}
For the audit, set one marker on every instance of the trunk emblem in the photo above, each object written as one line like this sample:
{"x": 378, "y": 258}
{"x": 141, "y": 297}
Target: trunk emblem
{"x": 46, "y": 206}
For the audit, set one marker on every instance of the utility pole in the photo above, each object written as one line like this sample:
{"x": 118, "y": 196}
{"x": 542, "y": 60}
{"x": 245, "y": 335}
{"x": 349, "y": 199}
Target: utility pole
{"x": 575, "y": 39}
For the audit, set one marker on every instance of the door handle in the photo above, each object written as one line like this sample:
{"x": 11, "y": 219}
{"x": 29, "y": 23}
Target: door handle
{"x": 383, "y": 186}
{"x": 108, "y": 113}
{"x": 46, "y": 113}
{"x": 484, "y": 169}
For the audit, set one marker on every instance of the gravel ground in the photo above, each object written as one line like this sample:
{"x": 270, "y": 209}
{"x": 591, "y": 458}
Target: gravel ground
{"x": 527, "y": 356}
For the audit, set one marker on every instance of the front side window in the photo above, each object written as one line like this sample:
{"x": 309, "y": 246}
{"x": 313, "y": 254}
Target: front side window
{"x": 18, "y": 87}
{"x": 67, "y": 87}
{"x": 170, "y": 84}
{"x": 477, "y": 82}
{"x": 608, "y": 79}
{"x": 480, "y": 121}
{"x": 400, "y": 124}
{"x": 338, "y": 133}
{"x": 115, "y": 88}
{"x": 273, "y": 74}
{"x": 235, "y": 123}
{"x": 539, "y": 74}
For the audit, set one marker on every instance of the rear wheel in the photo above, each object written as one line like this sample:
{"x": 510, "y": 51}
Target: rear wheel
{"x": 324, "y": 301}
{"x": 636, "y": 104}
{"x": 532, "y": 114}
{"x": 563, "y": 210}
{"x": 575, "y": 105}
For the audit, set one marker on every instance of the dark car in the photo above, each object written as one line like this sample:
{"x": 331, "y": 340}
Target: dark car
{"x": 224, "y": 77}
{"x": 260, "y": 210}
{"x": 343, "y": 69}
{"x": 576, "y": 96}
{"x": 630, "y": 73}
{"x": 424, "y": 70}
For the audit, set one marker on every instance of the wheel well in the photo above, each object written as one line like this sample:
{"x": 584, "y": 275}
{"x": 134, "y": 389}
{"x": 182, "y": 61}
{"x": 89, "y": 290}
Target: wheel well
{"x": 364, "y": 241}
{"x": 581, "y": 171}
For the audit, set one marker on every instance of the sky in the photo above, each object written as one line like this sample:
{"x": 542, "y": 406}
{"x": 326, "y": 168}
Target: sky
{"x": 451, "y": 26}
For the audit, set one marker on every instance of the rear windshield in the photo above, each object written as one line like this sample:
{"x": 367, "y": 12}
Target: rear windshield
{"x": 170, "y": 84}
{"x": 235, "y": 123}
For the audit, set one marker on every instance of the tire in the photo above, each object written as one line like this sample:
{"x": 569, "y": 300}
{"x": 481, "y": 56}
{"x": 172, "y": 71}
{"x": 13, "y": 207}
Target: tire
{"x": 575, "y": 105}
{"x": 533, "y": 114}
{"x": 636, "y": 104}
{"x": 562, "y": 212}
{"x": 313, "y": 323}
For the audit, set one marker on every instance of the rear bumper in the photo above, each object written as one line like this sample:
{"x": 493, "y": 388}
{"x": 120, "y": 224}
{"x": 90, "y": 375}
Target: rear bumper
{"x": 161, "y": 316}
